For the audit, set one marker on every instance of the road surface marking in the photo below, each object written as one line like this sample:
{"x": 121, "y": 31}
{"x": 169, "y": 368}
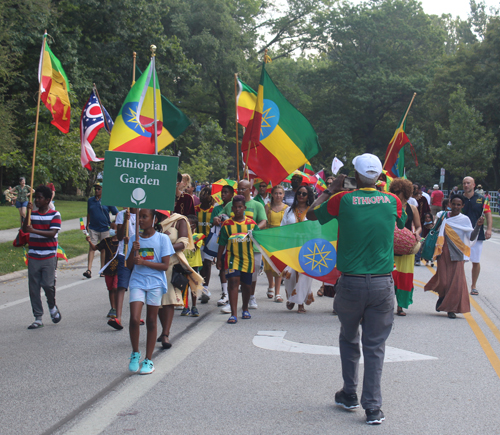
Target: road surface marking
{"x": 486, "y": 319}
{"x": 274, "y": 340}
{"x": 58, "y": 289}
{"x": 105, "y": 412}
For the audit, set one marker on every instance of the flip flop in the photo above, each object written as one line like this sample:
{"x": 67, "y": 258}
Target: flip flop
{"x": 232, "y": 320}
{"x": 115, "y": 323}
{"x": 245, "y": 315}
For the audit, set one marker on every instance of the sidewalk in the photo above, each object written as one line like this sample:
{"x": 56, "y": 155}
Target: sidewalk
{"x": 10, "y": 235}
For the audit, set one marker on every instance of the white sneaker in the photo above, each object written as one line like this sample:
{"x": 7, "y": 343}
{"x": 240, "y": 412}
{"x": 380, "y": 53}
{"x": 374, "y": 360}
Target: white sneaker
{"x": 226, "y": 309}
{"x": 223, "y": 300}
{"x": 252, "y": 303}
{"x": 205, "y": 295}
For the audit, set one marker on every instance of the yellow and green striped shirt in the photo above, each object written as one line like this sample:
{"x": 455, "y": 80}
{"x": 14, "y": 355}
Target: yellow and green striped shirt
{"x": 239, "y": 247}
{"x": 203, "y": 219}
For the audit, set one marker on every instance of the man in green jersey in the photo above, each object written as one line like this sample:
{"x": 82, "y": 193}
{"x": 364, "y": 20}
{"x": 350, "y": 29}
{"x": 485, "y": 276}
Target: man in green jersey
{"x": 256, "y": 211}
{"x": 365, "y": 290}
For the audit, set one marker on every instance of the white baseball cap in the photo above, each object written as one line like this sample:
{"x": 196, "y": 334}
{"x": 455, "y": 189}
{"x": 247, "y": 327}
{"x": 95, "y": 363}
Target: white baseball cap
{"x": 367, "y": 165}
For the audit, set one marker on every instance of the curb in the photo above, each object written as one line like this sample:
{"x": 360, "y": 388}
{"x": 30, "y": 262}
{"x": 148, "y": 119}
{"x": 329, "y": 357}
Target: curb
{"x": 23, "y": 273}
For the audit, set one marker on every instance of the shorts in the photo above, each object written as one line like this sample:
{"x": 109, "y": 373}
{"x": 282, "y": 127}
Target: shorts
{"x": 257, "y": 259}
{"x": 97, "y": 236}
{"x": 123, "y": 273}
{"x": 111, "y": 282}
{"x": 475, "y": 251}
{"x": 151, "y": 296}
{"x": 245, "y": 277}
{"x": 21, "y": 204}
{"x": 205, "y": 256}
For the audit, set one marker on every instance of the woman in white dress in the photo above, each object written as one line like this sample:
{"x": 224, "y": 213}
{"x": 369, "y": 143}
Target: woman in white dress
{"x": 298, "y": 285}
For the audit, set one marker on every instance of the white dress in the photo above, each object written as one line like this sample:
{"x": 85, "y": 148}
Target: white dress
{"x": 297, "y": 291}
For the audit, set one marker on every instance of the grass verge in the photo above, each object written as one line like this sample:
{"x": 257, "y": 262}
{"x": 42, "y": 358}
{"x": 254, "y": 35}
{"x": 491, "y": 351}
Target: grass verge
{"x": 496, "y": 222}
{"x": 9, "y": 216}
{"x": 73, "y": 242}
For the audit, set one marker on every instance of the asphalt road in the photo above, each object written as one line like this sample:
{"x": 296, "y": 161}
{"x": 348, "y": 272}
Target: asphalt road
{"x": 217, "y": 378}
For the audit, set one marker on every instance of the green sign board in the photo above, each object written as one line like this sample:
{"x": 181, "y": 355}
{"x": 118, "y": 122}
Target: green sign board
{"x": 139, "y": 180}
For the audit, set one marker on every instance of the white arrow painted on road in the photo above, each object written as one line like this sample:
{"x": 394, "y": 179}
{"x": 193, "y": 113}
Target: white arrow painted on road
{"x": 274, "y": 340}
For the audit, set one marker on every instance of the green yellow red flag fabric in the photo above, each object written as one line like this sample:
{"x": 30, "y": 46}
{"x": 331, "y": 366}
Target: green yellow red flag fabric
{"x": 55, "y": 88}
{"x": 217, "y": 188}
{"x": 61, "y": 253}
{"x": 82, "y": 225}
{"x": 133, "y": 130}
{"x": 308, "y": 169}
{"x": 245, "y": 102}
{"x": 320, "y": 185}
{"x": 278, "y": 139}
{"x": 307, "y": 247}
{"x": 394, "y": 155}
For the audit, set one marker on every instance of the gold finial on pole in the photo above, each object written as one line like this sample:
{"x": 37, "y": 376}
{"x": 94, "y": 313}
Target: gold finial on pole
{"x": 153, "y": 50}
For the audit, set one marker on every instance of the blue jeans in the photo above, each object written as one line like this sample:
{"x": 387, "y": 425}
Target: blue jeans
{"x": 368, "y": 301}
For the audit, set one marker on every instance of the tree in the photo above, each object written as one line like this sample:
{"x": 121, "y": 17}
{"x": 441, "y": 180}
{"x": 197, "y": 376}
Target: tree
{"x": 466, "y": 146}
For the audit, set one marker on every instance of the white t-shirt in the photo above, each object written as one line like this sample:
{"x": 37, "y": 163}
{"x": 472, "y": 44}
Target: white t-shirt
{"x": 427, "y": 197}
{"x": 153, "y": 249}
{"x": 131, "y": 228}
{"x": 413, "y": 201}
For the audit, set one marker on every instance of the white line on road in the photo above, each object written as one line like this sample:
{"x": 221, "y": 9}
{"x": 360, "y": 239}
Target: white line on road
{"x": 58, "y": 289}
{"x": 107, "y": 411}
{"x": 274, "y": 340}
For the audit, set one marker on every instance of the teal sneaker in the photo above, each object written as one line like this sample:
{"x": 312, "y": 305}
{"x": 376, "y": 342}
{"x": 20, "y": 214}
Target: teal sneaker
{"x": 147, "y": 367}
{"x": 185, "y": 311}
{"x": 195, "y": 312}
{"x": 134, "y": 362}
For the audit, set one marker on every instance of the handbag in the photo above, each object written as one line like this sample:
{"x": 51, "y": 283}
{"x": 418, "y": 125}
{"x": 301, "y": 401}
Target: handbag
{"x": 429, "y": 244}
{"x": 21, "y": 239}
{"x": 179, "y": 278}
{"x": 211, "y": 247}
{"x": 405, "y": 241}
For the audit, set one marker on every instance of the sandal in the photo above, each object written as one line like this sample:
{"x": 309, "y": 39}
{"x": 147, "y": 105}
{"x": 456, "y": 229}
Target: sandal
{"x": 232, "y": 320}
{"x": 400, "y": 312}
{"x": 474, "y": 292}
{"x": 301, "y": 309}
{"x": 87, "y": 274}
{"x": 321, "y": 291}
{"x": 36, "y": 325}
{"x": 270, "y": 293}
{"x": 141, "y": 322}
{"x": 245, "y": 315}
{"x": 290, "y": 305}
{"x": 278, "y": 298}
{"x": 115, "y": 323}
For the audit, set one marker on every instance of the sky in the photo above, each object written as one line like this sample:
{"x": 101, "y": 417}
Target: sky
{"x": 454, "y": 7}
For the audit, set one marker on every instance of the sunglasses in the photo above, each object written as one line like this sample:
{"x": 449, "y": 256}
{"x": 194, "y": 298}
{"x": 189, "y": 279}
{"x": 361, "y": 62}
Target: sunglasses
{"x": 302, "y": 194}
{"x": 328, "y": 184}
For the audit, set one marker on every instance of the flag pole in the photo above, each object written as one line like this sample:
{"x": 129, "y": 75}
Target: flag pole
{"x": 237, "y": 141}
{"x": 402, "y": 123}
{"x": 102, "y": 110}
{"x": 133, "y": 68}
{"x": 153, "y": 60}
{"x": 247, "y": 170}
{"x": 40, "y": 72}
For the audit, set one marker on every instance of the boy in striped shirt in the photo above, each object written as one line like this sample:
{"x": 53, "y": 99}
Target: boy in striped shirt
{"x": 239, "y": 262}
{"x": 42, "y": 255}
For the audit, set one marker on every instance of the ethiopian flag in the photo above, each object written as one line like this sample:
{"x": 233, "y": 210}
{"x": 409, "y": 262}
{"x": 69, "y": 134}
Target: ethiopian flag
{"x": 394, "y": 156}
{"x": 307, "y": 247}
{"x": 308, "y": 169}
{"x": 55, "y": 88}
{"x": 245, "y": 101}
{"x": 147, "y": 253}
{"x": 133, "y": 130}
{"x": 61, "y": 253}
{"x": 320, "y": 185}
{"x": 279, "y": 137}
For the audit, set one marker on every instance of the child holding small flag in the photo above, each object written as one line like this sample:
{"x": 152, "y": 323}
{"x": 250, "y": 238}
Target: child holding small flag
{"x": 148, "y": 259}
{"x": 110, "y": 245}
{"x": 239, "y": 261}
{"x": 42, "y": 254}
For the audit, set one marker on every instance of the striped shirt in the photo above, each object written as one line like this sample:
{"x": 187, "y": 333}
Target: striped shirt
{"x": 41, "y": 247}
{"x": 239, "y": 247}
{"x": 204, "y": 219}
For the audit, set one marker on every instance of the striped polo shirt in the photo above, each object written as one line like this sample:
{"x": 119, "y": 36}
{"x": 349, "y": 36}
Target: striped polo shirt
{"x": 239, "y": 247}
{"x": 40, "y": 247}
{"x": 204, "y": 219}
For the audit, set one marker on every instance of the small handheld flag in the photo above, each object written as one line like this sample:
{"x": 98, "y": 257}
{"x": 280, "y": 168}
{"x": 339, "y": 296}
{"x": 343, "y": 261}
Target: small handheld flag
{"x": 61, "y": 253}
{"x": 82, "y": 226}
{"x": 336, "y": 165}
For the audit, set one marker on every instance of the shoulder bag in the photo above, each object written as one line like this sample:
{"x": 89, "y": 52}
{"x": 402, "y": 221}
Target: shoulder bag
{"x": 430, "y": 241}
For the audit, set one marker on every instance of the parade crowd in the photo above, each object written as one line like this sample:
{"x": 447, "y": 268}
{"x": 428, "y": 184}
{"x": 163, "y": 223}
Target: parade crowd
{"x": 170, "y": 265}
